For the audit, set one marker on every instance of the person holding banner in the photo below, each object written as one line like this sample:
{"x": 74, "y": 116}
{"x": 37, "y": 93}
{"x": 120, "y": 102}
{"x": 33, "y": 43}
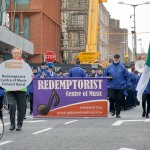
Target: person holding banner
{"x": 18, "y": 98}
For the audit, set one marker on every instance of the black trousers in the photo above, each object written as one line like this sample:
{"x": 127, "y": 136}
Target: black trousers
{"x": 1, "y": 102}
{"x": 17, "y": 98}
{"x": 31, "y": 101}
{"x": 146, "y": 98}
{"x": 115, "y": 99}
{"x": 129, "y": 99}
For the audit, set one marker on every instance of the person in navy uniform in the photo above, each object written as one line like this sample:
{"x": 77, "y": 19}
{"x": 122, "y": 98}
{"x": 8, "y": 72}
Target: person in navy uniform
{"x": 77, "y": 71}
{"x": 30, "y": 88}
{"x": 43, "y": 72}
{"x": 117, "y": 75}
{"x": 93, "y": 73}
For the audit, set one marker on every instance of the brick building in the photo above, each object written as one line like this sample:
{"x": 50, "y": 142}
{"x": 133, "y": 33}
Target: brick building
{"x": 118, "y": 40}
{"x": 40, "y": 22}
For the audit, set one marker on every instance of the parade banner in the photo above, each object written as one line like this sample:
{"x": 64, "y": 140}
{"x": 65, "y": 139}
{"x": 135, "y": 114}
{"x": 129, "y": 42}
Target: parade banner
{"x": 15, "y": 74}
{"x": 70, "y": 97}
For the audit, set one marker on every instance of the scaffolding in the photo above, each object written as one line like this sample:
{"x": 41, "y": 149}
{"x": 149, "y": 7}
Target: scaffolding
{"x": 74, "y": 28}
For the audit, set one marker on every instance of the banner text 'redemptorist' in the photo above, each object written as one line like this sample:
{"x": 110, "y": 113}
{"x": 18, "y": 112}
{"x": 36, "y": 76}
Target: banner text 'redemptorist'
{"x": 67, "y": 84}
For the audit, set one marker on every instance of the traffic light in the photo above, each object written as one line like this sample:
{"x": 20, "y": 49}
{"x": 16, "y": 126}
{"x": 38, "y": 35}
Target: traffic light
{"x": 127, "y": 58}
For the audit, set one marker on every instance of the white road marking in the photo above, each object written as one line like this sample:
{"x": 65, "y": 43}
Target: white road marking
{"x": 5, "y": 117}
{"x": 35, "y": 121}
{"x": 38, "y": 132}
{"x": 147, "y": 120}
{"x": 29, "y": 116}
{"x": 5, "y": 124}
{"x": 32, "y": 121}
{"x": 119, "y": 122}
{"x": 70, "y": 122}
{"x": 5, "y": 142}
{"x": 126, "y": 149}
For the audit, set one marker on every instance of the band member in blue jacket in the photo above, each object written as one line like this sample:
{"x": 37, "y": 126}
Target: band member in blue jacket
{"x": 43, "y": 72}
{"x": 30, "y": 88}
{"x": 117, "y": 75}
{"x": 77, "y": 71}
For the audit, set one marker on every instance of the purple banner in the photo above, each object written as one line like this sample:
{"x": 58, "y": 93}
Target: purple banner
{"x": 53, "y": 93}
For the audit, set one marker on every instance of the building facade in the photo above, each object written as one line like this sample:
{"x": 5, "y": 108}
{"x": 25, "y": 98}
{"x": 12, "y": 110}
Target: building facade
{"x": 118, "y": 40}
{"x": 103, "y": 36}
{"x": 8, "y": 39}
{"x": 74, "y": 28}
{"x": 40, "y": 22}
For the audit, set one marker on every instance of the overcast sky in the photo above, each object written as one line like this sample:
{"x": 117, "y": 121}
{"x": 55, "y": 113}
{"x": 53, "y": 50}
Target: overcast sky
{"x": 123, "y": 13}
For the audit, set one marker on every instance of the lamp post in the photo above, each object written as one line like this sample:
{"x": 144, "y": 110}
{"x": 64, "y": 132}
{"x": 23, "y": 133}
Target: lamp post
{"x": 134, "y": 32}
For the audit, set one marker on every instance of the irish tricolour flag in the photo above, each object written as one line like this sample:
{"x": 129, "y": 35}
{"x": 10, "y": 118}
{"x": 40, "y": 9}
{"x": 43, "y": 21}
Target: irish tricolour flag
{"x": 143, "y": 82}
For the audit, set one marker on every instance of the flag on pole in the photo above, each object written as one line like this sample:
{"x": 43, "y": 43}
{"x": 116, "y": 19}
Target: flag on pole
{"x": 143, "y": 82}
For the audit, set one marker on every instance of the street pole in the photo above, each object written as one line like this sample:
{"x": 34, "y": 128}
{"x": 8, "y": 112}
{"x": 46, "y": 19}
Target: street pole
{"x": 135, "y": 39}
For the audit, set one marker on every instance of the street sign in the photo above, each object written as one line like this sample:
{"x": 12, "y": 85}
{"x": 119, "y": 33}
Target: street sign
{"x": 50, "y": 56}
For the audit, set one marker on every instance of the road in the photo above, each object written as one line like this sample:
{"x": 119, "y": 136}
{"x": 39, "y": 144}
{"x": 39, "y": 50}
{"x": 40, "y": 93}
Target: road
{"x": 131, "y": 132}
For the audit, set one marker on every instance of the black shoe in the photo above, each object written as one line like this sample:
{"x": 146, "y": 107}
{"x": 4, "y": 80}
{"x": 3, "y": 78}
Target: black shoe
{"x": 1, "y": 115}
{"x": 118, "y": 116}
{"x": 18, "y": 129}
{"x": 147, "y": 116}
{"x": 113, "y": 113}
{"x": 31, "y": 112}
{"x": 12, "y": 128}
{"x": 143, "y": 115}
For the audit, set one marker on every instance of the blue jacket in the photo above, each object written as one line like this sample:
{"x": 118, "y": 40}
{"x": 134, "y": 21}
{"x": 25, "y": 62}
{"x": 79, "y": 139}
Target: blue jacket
{"x": 30, "y": 86}
{"x": 52, "y": 74}
{"x": 76, "y": 72}
{"x": 2, "y": 91}
{"x": 132, "y": 82}
{"x": 147, "y": 90}
{"x": 45, "y": 71}
{"x": 119, "y": 76}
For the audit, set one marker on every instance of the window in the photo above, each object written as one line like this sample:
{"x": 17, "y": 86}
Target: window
{"x": 26, "y": 28}
{"x": 17, "y": 26}
{"x": 22, "y": 1}
{"x": 22, "y": 4}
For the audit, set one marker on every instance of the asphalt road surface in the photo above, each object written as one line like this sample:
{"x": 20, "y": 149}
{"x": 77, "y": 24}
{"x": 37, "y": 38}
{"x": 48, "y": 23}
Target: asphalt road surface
{"x": 131, "y": 132}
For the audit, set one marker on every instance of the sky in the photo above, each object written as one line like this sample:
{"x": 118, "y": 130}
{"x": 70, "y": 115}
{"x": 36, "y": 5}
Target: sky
{"x": 124, "y": 13}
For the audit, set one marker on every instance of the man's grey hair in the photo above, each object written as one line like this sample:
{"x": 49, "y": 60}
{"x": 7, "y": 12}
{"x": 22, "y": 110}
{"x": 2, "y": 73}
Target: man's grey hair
{"x": 16, "y": 48}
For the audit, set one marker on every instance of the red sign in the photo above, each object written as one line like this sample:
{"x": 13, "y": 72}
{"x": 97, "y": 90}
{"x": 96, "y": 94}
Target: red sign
{"x": 50, "y": 56}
